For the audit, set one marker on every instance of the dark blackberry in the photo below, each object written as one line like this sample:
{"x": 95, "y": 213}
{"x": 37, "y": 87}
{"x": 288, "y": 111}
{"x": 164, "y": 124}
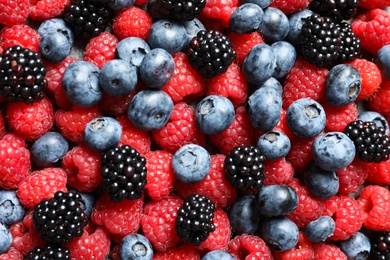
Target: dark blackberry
{"x": 60, "y": 219}
{"x": 380, "y": 246}
{"x": 195, "y": 219}
{"x": 350, "y": 43}
{"x": 124, "y": 173}
{"x": 48, "y": 252}
{"x": 87, "y": 18}
{"x": 211, "y": 53}
{"x": 22, "y": 75}
{"x": 182, "y": 10}
{"x": 319, "y": 41}
{"x": 338, "y": 10}
{"x": 244, "y": 168}
{"x": 371, "y": 142}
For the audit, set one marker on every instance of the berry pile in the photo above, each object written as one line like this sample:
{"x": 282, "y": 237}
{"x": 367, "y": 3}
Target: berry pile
{"x": 201, "y": 129}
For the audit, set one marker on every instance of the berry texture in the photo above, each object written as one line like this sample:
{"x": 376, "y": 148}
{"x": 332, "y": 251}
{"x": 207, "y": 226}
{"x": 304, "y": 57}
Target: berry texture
{"x": 133, "y": 22}
{"x": 246, "y": 246}
{"x": 101, "y": 49}
{"x": 22, "y": 35}
{"x": 14, "y": 13}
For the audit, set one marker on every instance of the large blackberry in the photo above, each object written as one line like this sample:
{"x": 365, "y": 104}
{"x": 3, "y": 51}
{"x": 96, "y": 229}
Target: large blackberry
{"x": 22, "y": 75}
{"x": 371, "y": 142}
{"x": 319, "y": 40}
{"x": 195, "y": 219}
{"x": 182, "y": 10}
{"x": 48, "y": 252}
{"x": 244, "y": 168}
{"x": 60, "y": 219}
{"x": 380, "y": 246}
{"x": 338, "y": 10}
{"x": 350, "y": 43}
{"x": 211, "y": 53}
{"x": 124, "y": 173}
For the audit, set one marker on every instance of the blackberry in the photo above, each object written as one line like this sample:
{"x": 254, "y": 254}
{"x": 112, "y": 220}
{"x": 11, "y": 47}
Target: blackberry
{"x": 350, "y": 43}
{"x": 211, "y": 53}
{"x": 244, "y": 168}
{"x": 371, "y": 142}
{"x": 60, "y": 219}
{"x": 48, "y": 252}
{"x": 124, "y": 173}
{"x": 22, "y": 75}
{"x": 182, "y": 10}
{"x": 195, "y": 219}
{"x": 319, "y": 40}
{"x": 380, "y": 246}
{"x": 338, "y": 10}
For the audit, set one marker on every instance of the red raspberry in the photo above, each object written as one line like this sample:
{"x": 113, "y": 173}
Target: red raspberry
{"x": 211, "y": 23}
{"x": 12, "y": 254}
{"x": 31, "y": 121}
{"x": 160, "y": 177}
{"x": 378, "y": 173}
{"x": 337, "y": 118}
{"x": 300, "y": 153}
{"x": 13, "y": 12}
{"x": 82, "y": 166}
{"x": 134, "y": 137}
{"x": 180, "y": 130}
{"x": 373, "y": 29}
{"x": 303, "y": 250}
{"x": 20, "y": 34}
{"x": 183, "y": 251}
{"x": 2, "y": 126}
{"x": 158, "y": 222}
{"x": 140, "y": 2}
{"x": 372, "y": 4}
{"x": 278, "y": 171}
{"x": 243, "y": 43}
{"x": 47, "y": 9}
{"x": 380, "y": 101}
{"x": 132, "y": 22}
{"x": 222, "y": 10}
{"x": 186, "y": 82}
{"x": 214, "y": 186}
{"x": 326, "y": 251}
{"x": 249, "y": 247}
{"x": 352, "y": 177}
{"x": 282, "y": 125}
{"x": 101, "y": 49}
{"x": 290, "y": 6}
{"x": 347, "y": 215}
{"x": 304, "y": 80}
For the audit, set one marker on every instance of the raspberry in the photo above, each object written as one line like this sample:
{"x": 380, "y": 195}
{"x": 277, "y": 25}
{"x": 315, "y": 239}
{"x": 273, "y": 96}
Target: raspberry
{"x": 31, "y": 121}
{"x": 303, "y": 250}
{"x": 159, "y": 220}
{"x": 290, "y": 6}
{"x": 82, "y": 165}
{"x": 101, "y": 49}
{"x": 133, "y": 136}
{"x": 378, "y": 173}
{"x": 373, "y": 29}
{"x": 221, "y": 10}
{"x": 282, "y": 125}
{"x": 372, "y": 4}
{"x": 140, "y": 2}
{"x": 160, "y": 177}
{"x": 352, "y": 177}
{"x": 327, "y": 251}
{"x": 115, "y": 105}
{"x": 249, "y": 247}
{"x": 243, "y": 43}
{"x": 133, "y": 22}
{"x": 337, "y": 118}
{"x": 300, "y": 153}
{"x": 22, "y": 35}
{"x": 47, "y": 9}
{"x": 380, "y": 101}
{"x": 12, "y": 254}
{"x": 183, "y": 251}
{"x": 278, "y": 171}
{"x": 2, "y": 126}
{"x": 13, "y": 12}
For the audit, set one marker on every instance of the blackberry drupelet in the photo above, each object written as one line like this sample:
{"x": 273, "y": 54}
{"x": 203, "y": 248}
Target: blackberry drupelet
{"x": 195, "y": 219}
{"x": 48, "y": 252}
{"x": 22, "y": 75}
{"x": 124, "y": 173}
{"x": 350, "y": 43}
{"x": 60, "y": 219}
{"x": 338, "y": 10}
{"x": 181, "y": 10}
{"x": 319, "y": 40}
{"x": 371, "y": 142}
{"x": 211, "y": 53}
{"x": 380, "y": 246}
{"x": 244, "y": 168}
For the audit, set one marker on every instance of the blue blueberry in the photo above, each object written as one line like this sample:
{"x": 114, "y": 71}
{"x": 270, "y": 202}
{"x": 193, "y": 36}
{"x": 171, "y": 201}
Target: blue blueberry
{"x": 343, "y": 85}
{"x": 157, "y": 68}
{"x": 246, "y": 18}
{"x": 56, "y": 25}
{"x": 357, "y": 247}
{"x": 264, "y": 107}
{"x": 54, "y": 47}
{"x": 213, "y": 114}
{"x": 262, "y": 3}
{"x": 285, "y": 55}
{"x": 383, "y": 60}
{"x": 217, "y": 255}
{"x": 378, "y": 119}
{"x": 244, "y": 215}
{"x": 272, "y": 83}
{"x": 192, "y": 28}
{"x": 276, "y": 200}
{"x": 87, "y": 203}
{"x": 306, "y": 118}
{"x": 280, "y": 233}
{"x": 274, "y": 144}
{"x": 11, "y": 210}
{"x": 296, "y": 21}
{"x": 259, "y": 64}
{"x": 150, "y": 109}
{"x": 275, "y": 25}
{"x": 132, "y": 50}
{"x": 118, "y": 77}
{"x": 5, "y": 238}
{"x": 120, "y": 5}
{"x": 320, "y": 229}
{"x": 333, "y": 151}
{"x": 81, "y": 84}
{"x": 191, "y": 163}
{"x": 49, "y": 149}
{"x": 321, "y": 183}
{"x": 102, "y": 134}
{"x": 135, "y": 247}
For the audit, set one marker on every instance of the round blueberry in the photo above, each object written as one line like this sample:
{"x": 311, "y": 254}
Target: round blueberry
{"x": 150, "y": 109}
{"x": 132, "y": 50}
{"x": 285, "y": 55}
{"x": 102, "y": 134}
{"x": 56, "y": 25}
{"x": 276, "y": 200}
{"x": 280, "y": 233}
{"x": 320, "y": 229}
{"x": 383, "y": 60}
{"x": 11, "y": 210}
{"x": 135, "y": 247}
{"x": 87, "y": 203}
{"x": 357, "y": 247}
{"x": 217, "y": 255}
{"x": 246, "y": 18}
{"x": 5, "y": 238}
{"x": 274, "y": 144}
{"x": 378, "y": 119}
{"x": 321, "y": 183}
{"x": 54, "y": 47}
{"x": 259, "y": 64}
{"x": 192, "y": 28}
{"x": 275, "y": 25}
{"x": 296, "y": 21}
{"x": 191, "y": 163}
{"x": 271, "y": 82}
{"x": 262, "y": 3}
{"x": 120, "y": 5}
{"x": 244, "y": 215}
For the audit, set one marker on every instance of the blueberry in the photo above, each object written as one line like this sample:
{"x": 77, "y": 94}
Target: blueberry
{"x": 306, "y": 118}
{"x": 276, "y": 200}
{"x": 271, "y": 82}
{"x": 259, "y": 64}
{"x": 133, "y": 50}
{"x": 118, "y": 77}
{"x": 378, "y": 119}
{"x": 157, "y": 68}
{"x": 192, "y": 28}
{"x": 88, "y": 203}
{"x": 246, "y": 18}
{"x": 54, "y": 47}
{"x": 296, "y": 21}
{"x": 49, "y": 149}
{"x": 285, "y": 55}
{"x": 244, "y": 215}
{"x": 275, "y": 25}
{"x": 321, "y": 183}
{"x": 357, "y": 247}
{"x": 213, "y": 114}
{"x": 343, "y": 85}
{"x": 135, "y": 247}
{"x": 102, "y": 134}
{"x": 320, "y": 229}
{"x": 383, "y": 60}
{"x": 120, "y": 5}
{"x": 262, "y": 3}
{"x": 333, "y": 151}
{"x": 150, "y": 109}
{"x": 274, "y": 144}
{"x": 217, "y": 255}
{"x": 81, "y": 84}
{"x": 5, "y": 238}
{"x": 56, "y": 25}
{"x": 191, "y": 163}
{"x": 264, "y": 107}
{"x": 280, "y": 233}
{"x": 11, "y": 210}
